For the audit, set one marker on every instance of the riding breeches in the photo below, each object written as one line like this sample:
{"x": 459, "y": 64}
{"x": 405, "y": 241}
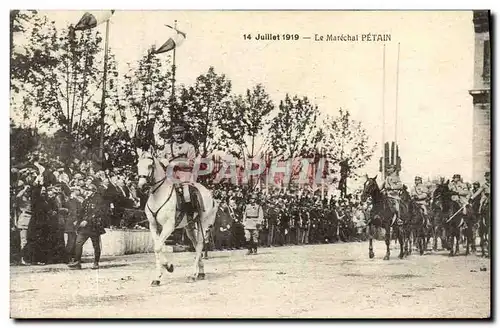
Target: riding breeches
{"x": 423, "y": 207}
{"x": 252, "y": 233}
{"x": 185, "y": 177}
{"x": 394, "y": 202}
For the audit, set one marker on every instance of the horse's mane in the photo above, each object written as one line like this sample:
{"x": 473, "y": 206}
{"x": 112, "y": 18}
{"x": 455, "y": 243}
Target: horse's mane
{"x": 441, "y": 194}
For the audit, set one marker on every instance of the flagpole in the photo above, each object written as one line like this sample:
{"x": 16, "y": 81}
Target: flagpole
{"x": 383, "y": 116}
{"x": 396, "y": 124}
{"x": 103, "y": 98}
{"x": 173, "y": 71}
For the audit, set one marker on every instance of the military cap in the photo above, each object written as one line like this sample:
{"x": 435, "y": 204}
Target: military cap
{"x": 456, "y": 176}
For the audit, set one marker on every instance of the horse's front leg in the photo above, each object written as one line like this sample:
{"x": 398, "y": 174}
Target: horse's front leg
{"x": 153, "y": 228}
{"x": 387, "y": 241}
{"x": 371, "y": 232}
{"x": 401, "y": 238}
{"x": 159, "y": 249}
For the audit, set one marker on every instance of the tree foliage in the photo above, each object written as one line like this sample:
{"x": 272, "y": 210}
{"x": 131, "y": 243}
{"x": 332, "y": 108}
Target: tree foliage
{"x": 294, "y": 128}
{"x": 346, "y": 139}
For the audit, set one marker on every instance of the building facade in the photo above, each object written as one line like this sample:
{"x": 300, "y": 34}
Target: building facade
{"x": 481, "y": 96}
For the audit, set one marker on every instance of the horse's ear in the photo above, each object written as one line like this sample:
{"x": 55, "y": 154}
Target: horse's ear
{"x": 366, "y": 176}
{"x": 138, "y": 151}
{"x": 375, "y": 177}
{"x": 447, "y": 182}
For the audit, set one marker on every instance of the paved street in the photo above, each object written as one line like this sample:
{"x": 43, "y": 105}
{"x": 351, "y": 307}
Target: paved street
{"x": 336, "y": 280}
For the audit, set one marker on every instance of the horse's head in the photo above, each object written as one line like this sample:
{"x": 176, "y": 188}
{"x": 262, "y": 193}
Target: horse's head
{"x": 441, "y": 195}
{"x": 370, "y": 188}
{"x": 145, "y": 167}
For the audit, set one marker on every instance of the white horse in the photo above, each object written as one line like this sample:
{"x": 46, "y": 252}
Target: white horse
{"x": 161, "y": 210}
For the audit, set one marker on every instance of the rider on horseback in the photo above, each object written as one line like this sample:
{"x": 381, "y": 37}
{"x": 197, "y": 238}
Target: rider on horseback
{"x": 459, "y": 192}
{"x": 484, "y": 191}
{"x": 420, "y": 193}
{"x": 393, "y": 186}
{"x": 180, "y": 154}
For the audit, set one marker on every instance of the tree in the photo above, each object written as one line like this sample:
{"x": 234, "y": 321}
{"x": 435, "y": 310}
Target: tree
{"x": 294, "y": 129}
{"x": 144, "y": 100}
{"x": 251, "y": 114}
{"x": 61, "y": 75}
{"x": 206, "y": 105}
{"x": 346, "y": 142}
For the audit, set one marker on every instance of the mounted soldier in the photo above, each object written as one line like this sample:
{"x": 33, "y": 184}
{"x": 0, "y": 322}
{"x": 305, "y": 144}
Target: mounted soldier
{"x": 179, "y": 155}
{"x": 484, "y": 192}
{"x": 459, "y": 192}
{"x": 420, "y": 193}
{"x": 393, "y": 187}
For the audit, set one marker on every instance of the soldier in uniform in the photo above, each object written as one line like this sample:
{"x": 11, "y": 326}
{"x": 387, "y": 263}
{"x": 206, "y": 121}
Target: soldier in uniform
{"x": 420, "y": 194}
{"x": 393, "y": 186}
{"x": 253, "y": 216}
{"x": 483, "y": 191}
{"x": 90, "y": 225}
{"x": 179, "y": 149}
{"x": 459, "y": 192}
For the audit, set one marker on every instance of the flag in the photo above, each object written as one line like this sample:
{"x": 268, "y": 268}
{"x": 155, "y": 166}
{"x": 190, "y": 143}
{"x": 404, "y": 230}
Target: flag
{"x": 93, "y": 18}
{"x": 174, "y": 41}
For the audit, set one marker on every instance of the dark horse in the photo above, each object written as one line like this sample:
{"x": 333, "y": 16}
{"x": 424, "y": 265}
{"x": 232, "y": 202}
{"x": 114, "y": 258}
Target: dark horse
{"x": 445, "y": 208}
{"x": 440, "y": 209}
{"x": 485, "y": 227}
{"x": 381, "y": 215}
{"x": 419, "y": 226}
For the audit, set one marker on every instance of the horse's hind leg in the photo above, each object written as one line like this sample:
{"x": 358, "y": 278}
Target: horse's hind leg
{"x": 198, "y": 266}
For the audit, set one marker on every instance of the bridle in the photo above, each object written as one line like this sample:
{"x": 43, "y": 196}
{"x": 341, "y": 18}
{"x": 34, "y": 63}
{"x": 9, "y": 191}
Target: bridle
{"x": 155, "y": 186}
{"x": 149, "y": 177}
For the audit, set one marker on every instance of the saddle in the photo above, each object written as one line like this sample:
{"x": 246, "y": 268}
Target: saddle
{"x": 196, "y": 201}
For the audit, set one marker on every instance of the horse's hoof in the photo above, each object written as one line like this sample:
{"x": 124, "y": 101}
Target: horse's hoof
{"x": 401, "y": 256}
{"x": 155, "y": 283}
{"x": 371, "y": 255}
{"x": 170, "y": 268}
{"x": 386, "y": 258}
{"x": 451, "y": 255}
{"x": 191, "y": 279}
{"x": 201, "y": 276}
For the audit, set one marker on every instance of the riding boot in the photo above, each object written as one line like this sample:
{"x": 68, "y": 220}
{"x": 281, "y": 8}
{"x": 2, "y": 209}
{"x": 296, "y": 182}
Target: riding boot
{"x": 189, "y": 209}
{"x": 249, "y": 247}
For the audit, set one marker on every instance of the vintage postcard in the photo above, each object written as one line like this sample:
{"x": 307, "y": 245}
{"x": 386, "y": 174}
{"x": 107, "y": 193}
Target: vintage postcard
{"x": 250, "y": 164}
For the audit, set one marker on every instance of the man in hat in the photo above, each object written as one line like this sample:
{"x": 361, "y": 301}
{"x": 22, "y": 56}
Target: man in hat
{"x": 393, "y": 186}
{"x": 459, "y": 192}
{"x": 483, "y": 190}
{"x": 180, "y": 155}
{"x": 420, "y": 193}
{"x": 90, "y": 225}
{"x": 253, "y": 217}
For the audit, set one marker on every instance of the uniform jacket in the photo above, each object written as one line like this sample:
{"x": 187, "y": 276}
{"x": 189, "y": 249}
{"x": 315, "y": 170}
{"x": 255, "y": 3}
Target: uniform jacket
{"x": 93, "y": 211}
{"x": 393, "y": 185}
{"x": 420, "y": 193}
{"x": 253, "y": 215}
{"x": 175, "y": 150}
{"x": 462, "y": 192}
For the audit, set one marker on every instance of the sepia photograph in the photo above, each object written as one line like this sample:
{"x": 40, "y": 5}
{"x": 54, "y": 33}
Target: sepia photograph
{"x": 250, "y": 164}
